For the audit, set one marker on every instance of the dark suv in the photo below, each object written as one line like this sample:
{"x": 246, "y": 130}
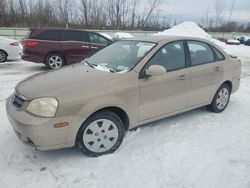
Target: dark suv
{"x": 58, "y": 47}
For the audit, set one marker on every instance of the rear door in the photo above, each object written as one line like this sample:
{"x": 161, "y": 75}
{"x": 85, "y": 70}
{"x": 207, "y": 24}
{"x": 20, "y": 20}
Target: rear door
{"x": 97, "y": 42}
{"x": 75, "y": 45}
{"x": 206, "y": 72}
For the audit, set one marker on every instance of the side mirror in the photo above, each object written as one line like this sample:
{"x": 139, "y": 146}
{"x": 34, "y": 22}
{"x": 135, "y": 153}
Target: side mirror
{"x": 155, "y": 70}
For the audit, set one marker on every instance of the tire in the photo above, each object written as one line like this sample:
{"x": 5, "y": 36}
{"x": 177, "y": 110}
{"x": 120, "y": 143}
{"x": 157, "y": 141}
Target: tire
{"x": 221, "y": 99}
{"x": 3, "y": 56}
{"x": 54, "y": 61}
{"x": 101, "y": 134}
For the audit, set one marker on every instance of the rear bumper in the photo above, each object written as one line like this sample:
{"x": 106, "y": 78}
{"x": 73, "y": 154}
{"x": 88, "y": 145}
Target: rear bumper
{"x": 236, "y": 84}
{"x": 34, "y": 59}
{"x": 14, "y": 52}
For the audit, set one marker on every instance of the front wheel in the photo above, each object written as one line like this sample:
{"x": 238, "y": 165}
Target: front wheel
{"x": 221, "y": 99}
{"x": 101, "y": 134}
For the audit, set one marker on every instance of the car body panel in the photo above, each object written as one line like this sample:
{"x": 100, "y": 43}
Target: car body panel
{"x": 13, "y": 52}
{"x": 73, "y": 51}
{"x": 82, "y": 91}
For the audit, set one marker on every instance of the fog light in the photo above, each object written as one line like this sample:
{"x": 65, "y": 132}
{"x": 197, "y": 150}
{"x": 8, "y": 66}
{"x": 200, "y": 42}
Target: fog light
{"x": 61, "y": 125}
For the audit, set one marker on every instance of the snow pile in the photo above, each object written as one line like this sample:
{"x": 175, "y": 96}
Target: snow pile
{"x": 189, "y": 29}
{"x": 123, "y": 35}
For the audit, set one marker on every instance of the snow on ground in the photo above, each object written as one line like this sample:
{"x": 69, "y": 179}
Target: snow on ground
{"x": 197, "y": 149}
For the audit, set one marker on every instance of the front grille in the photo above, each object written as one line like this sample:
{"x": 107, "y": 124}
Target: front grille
{"x": 18, "y": 101}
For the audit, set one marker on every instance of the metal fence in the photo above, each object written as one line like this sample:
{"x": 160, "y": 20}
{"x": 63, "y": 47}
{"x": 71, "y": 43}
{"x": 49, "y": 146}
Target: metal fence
{"x": 19, "y": 33}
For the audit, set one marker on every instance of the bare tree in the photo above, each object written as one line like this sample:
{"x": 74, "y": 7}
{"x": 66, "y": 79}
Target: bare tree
{"x": 133, "y": 12}
{"x": 153, "y": 4}
{"x": 231, "y": 10}
{"x": 219, "y": 7}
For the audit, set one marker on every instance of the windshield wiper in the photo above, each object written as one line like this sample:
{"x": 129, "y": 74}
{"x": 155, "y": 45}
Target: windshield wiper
{"x": 89, "y": 64}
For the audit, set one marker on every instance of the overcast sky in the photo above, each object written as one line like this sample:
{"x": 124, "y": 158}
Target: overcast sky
{"x": 195, "y": 10}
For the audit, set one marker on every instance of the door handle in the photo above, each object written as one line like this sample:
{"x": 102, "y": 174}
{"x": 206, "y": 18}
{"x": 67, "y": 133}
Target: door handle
{"x": 85, "y": 46}
{"x": 93, "y": 47}
{"x": 217, "y": 69}
{"x": 182, "y": 77}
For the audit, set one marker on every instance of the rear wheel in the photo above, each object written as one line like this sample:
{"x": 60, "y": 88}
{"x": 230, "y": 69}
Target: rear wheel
{"x": 3, "y": 56}
{"x": 54, "y": 61}
{"x": 221, "y": 99}
{"x": 101, "y": 134}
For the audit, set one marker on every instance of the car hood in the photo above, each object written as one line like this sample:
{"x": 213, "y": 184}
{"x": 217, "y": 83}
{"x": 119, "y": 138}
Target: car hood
{"x": 57, "y": 82}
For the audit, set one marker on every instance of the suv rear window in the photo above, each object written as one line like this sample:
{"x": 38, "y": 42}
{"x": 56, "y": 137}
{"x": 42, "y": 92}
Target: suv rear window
{"x": 53, "y": 35}
{"x": 75, "y": 36}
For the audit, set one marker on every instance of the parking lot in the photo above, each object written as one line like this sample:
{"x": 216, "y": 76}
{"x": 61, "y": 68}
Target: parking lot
{"x": 194, "y": 149}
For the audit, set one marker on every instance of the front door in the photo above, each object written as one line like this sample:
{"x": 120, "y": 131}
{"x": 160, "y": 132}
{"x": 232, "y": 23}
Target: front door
{"x": 162, "y": 95}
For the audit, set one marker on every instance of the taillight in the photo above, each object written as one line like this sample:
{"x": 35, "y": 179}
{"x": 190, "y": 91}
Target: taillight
{"x": 15, "y": 44}
{"x": 30, "y": 43}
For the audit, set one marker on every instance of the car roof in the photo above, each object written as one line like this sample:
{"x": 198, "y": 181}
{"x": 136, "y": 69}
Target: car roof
{"x": 157, "y": 39}
{"x": 60, "y": 29}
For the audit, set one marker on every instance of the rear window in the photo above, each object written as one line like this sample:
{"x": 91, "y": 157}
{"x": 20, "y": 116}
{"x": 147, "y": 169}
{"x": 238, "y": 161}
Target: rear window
{"x": 52, "y": 35}
{"x": 75, "y": 36}
{"x": 219, "y": 55}
{"x": 28, "y": 34}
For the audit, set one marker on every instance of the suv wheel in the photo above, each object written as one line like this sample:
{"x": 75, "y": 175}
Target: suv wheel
{"x": 101, "y": 134}
{"x": 3, "y": 56}
{"x": 54, "y": 61}
{"x": 221, "y": 99}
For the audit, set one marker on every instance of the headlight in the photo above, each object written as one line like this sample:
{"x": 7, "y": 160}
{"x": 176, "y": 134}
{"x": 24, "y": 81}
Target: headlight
{"x": 44, "y": 107}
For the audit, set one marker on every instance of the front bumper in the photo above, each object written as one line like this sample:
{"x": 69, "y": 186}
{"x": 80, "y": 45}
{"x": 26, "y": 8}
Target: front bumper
{"x": 39, "y": 132}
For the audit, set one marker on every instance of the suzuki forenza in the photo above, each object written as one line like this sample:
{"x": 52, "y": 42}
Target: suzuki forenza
{"x": 92, "y": 104}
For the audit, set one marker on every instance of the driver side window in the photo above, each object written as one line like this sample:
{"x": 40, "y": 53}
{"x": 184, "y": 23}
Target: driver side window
{"x": 94, "y": 38}
{"x": 171, "y": 56}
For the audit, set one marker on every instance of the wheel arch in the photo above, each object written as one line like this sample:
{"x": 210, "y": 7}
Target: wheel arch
{"x": 4, "y": 52}
{"x": 118, "y": 111}
{"x": 115, "y": 109}
{"x": 229, "y": 83}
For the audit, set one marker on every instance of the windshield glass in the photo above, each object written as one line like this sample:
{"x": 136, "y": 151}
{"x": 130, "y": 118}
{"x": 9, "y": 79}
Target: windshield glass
{"x": 121, "y": 56}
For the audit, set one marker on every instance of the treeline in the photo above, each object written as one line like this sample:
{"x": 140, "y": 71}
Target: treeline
{"x": 110, "y": 14}
{"x": 91, "y": 14}
{"x": 219, "y": 19}
{"x": 230, "y": 27}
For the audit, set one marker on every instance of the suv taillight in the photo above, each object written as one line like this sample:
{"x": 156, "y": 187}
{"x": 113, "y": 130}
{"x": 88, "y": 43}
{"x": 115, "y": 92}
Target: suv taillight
{"x": 30, "y": 43}
{"x": 15, "y": 44}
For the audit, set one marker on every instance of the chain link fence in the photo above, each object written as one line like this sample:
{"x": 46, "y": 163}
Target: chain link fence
{"x": 19, "y": 33}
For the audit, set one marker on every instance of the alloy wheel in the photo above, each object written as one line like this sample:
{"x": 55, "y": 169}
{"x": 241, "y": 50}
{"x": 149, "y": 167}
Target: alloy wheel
{"x": 222, "y": 98}
{"x": 55, "y": 62}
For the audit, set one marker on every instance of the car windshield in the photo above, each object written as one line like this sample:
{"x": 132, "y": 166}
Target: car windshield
{"x": 120, "y": 57}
